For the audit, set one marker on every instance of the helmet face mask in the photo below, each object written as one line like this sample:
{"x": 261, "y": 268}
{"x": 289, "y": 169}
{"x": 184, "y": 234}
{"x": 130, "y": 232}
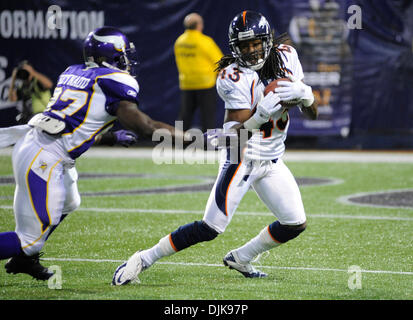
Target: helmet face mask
{"x": 109, "y": 47}
{"x": 249, "y": 28}
{"x": 251, "y": 53}
{"x": 127, "y": 61}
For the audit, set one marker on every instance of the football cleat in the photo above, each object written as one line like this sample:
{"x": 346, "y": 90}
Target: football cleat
{"x": 231, "y": 260}
{"x": 28, "y": 264}
{"x": 128, "y": 271}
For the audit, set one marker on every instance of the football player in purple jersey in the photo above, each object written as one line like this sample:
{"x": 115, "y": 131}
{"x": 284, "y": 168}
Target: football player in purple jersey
{"x": 88, "y": 98}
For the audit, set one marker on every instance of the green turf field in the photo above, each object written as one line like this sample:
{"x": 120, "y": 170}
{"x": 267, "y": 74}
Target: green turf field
{"x": 89, "y": 245}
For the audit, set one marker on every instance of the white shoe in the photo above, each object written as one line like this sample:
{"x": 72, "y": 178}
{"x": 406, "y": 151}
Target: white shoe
{"x": 231, "y": 260}
{"x": 128, "y": 271}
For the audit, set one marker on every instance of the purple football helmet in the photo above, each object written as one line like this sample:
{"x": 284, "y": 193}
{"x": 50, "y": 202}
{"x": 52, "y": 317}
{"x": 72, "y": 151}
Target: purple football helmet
{"x": 108, "y": 46}
{"x": 247, "y": 26}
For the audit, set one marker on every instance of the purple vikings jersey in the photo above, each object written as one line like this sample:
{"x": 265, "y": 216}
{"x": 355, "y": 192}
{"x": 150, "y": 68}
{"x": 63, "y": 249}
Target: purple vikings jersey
{"x": 86, "y": 99}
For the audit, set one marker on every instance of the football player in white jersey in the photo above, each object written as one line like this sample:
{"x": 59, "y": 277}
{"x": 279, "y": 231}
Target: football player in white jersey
{"x": 88, "y": 98}
{"x": 256, "y": 60}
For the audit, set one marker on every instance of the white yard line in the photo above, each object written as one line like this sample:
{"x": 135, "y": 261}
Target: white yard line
{"x": 212, "y": 156}
{"x": 220, "y": 265}
{"x": 290, "y": 155}
{"x": 247, "y": 213}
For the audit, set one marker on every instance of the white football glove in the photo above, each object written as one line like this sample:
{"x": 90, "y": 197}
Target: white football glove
{"x": 269, "y": 105}
{"x": 295, "y": 89}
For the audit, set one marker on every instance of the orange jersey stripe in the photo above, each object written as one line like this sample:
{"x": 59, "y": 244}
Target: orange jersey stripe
{"x": 252, "y": 92}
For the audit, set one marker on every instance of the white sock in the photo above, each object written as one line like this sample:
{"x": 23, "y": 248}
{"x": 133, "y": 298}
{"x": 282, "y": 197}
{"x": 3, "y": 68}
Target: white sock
{"x": 162, "y": 249}
{"x": 261, "y": 243}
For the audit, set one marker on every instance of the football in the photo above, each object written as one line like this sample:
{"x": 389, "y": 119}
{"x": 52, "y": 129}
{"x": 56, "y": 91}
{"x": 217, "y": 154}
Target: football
{"x": 274, "y": 84}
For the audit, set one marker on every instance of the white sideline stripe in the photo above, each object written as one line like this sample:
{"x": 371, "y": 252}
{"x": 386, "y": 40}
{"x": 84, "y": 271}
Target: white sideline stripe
{"x": 390, "y": 156}
{"x": 219, "y": 265}
{"x": 290, "y": 155}
{"x": 247, "y": 213}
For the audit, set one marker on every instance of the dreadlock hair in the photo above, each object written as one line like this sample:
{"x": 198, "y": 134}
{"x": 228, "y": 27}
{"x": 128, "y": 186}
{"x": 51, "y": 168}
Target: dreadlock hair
{"x": 225, "y": 61}
{"x": 274, "y": 65}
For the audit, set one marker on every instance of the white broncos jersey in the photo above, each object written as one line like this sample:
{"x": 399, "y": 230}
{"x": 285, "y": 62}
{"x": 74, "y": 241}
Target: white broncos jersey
{"x": 241, "y": 88}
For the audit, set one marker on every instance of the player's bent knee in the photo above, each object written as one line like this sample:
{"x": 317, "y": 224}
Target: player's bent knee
{"x": 72, "y": 206}
{"x": 208, "y": 233}
{"x": 192, "y": 233}
{"x": 33, "y": 249}
{"x": 300, "y": 227}
{"x": 283, "y": 233}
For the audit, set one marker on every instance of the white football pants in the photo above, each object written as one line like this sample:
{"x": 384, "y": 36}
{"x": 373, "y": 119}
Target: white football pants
{"x": 273, "y": 183}
{"x": 46, "y": 189}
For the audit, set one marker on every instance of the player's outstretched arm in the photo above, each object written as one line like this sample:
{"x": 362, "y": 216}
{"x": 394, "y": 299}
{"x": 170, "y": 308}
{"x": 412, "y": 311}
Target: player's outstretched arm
{"x": 135, "y": 120}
